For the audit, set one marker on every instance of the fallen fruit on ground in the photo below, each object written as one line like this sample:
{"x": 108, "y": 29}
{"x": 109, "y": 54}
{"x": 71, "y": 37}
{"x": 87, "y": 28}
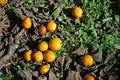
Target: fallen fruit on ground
{"x": 87, "y": 60}
{"x": 49, "y": 56}
{"x": 3, "y": 2}
{"x": 43, "y": 46}
{"x": 28, "y": 55}
{"x": 42, "y": 30}
{"x": 44, "y": 69}
{"x": 89, "y": 77}
{"x": 37, "y": 56}
{"x": 55, "y": 43}
{"x": 51, "y": 26}
{"x": 27, "y": 23}
{"x": 77, "y": 12}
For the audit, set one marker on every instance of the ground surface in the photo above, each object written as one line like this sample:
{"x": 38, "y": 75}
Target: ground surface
{"x": 96, "y": 33}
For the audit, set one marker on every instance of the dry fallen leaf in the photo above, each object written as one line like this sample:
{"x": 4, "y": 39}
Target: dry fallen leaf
{"x": 25, "y": 74}
{"x": 73, "y": 75}
{"x": 35, "y": 73}
{"x": 51, "y": 76}
{"x": 63, "y": 62}
{"x": 80, "y": 51}
{"x": 113, "y": 77}
{"x": 94, "y": 48}
{"x": 97, "y": 57}
{"x": 42, "y": 77}
{"x": 18, "y": 11}
{"x": 6, "y": 57}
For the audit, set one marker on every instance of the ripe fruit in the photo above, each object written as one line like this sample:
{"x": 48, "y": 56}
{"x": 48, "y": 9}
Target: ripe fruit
{"x": 44, "y": 69}
{"x": 77, "y": 12}
{"x": 88, "y": 60}
{"x": 37, "y": 56}
{"x": 43, "y": 46}
{"x": 27, "y": 55}
{"x": 42, "y": 30}
{"x": 55, "y": 43}
{"x": 51, "y": 26}
{"x": 27, "y": 23}
{"x": 49, "y": 56}
{"x": 3, "y": 2}
{"x": 89, "y": 77}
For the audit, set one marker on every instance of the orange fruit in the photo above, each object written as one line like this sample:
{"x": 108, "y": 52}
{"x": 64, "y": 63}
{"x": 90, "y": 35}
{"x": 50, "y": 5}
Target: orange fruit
{"x": 49, "y": 56}
{"x": 89, "y": 77}
{"x": 77, "y": 12}
{"x": 55, "y": 43}
{"x": 43, "y": 46}
{"x": 88, "y": 60}
{"x": 42, "y": 30}
{"x": 27, "y": 23}
{"x": 3, "y": 2}
{"x": 51, "y": 26}
{"x": 44, "y": 69}
{"x": 37, "y": 56}
{"x": 27, "y": 55}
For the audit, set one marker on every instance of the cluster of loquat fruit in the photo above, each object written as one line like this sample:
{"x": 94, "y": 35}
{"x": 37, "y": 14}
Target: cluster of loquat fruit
{"x": 45, "y": 52}
{"x": 45, "y": 49}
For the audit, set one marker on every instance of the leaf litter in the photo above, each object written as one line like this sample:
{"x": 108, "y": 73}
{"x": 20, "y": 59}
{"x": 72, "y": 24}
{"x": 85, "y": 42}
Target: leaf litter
{"x": 65, "y": 67}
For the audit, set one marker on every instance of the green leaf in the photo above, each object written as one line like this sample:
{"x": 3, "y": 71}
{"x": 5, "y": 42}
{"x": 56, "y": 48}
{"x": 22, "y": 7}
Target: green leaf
{"x": 107, "y": 19}
{"x": 60, "y": 19}
{"x": 85, "y": 2}
{"x": 117, "y": 46}
{"x": 8, "y": 77}
{"x": 47, "y": 14}
{"x": 1, "y": 73}
{"x": 117, "y": 18}
{"x": 94, "y": 32}
{"x": 55, "y": 11}
{"x": 21, "y": 45}
{"x": 30, "y": 1}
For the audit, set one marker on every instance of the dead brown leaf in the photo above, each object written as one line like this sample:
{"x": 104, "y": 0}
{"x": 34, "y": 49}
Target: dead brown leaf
{"x": 42, "y": 77}
{"x": 80, "y": 51}
{"x": 35, "y": 73}
{"x": 25, "y": 74}
{"x": 51, "y": 76}
{"x": 63, "y": 62}
{"x": 73, "y": 75}
{"x": 18, "y": 11}
{"x": 6, "y": 57}
{"x": 107, "y": 67}
{"x": 113, "y": 77}
{"x": 27, "y": 12}
{"x": 20, "y": 3}
{"x": 97, "y": 57}
{"x": 2, "y": 12}
{"x": 37, "y": 1}
{"x": 94, "y": 48}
